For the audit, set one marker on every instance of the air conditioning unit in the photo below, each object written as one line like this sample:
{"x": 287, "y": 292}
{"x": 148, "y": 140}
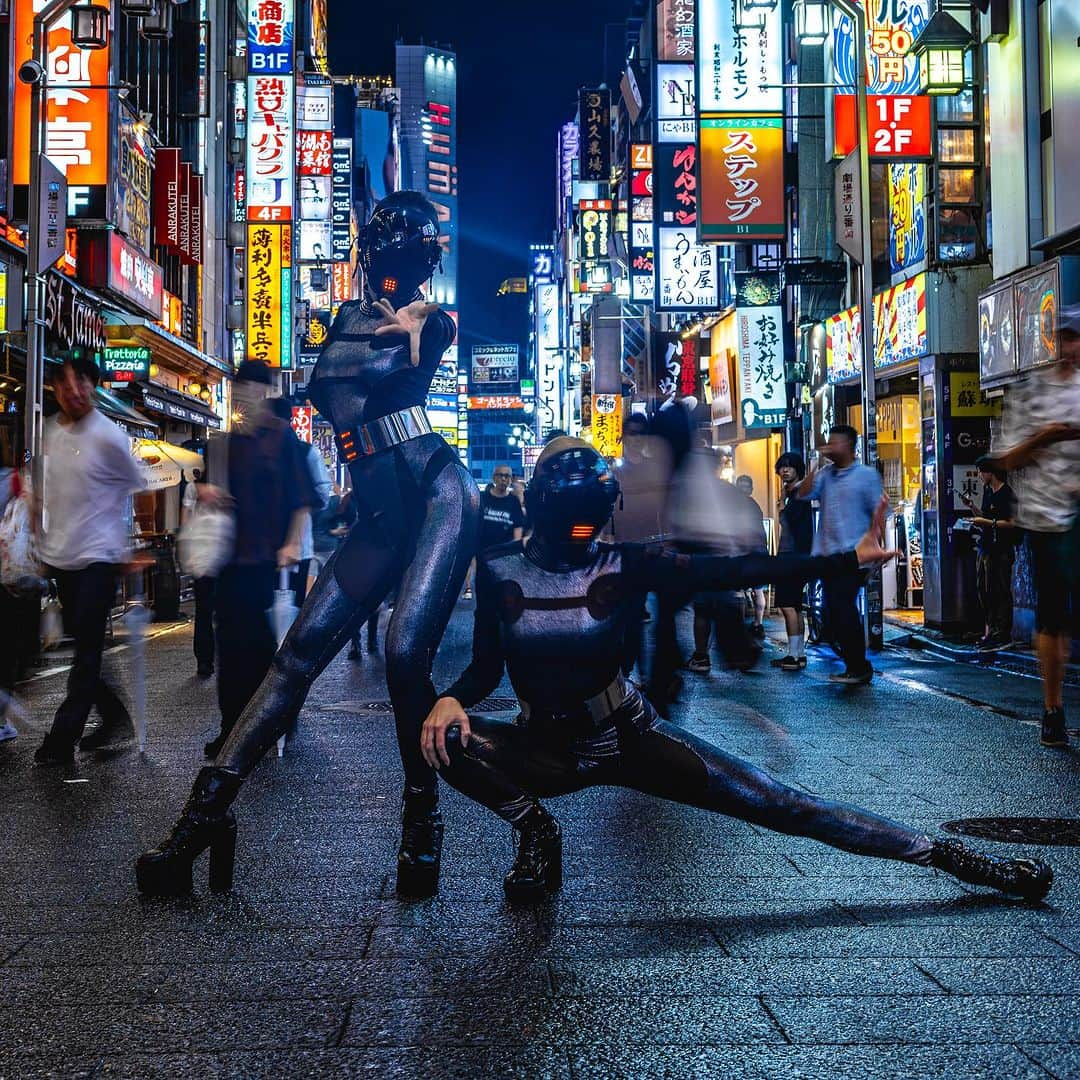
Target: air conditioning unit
{"x": 234, "y": 316}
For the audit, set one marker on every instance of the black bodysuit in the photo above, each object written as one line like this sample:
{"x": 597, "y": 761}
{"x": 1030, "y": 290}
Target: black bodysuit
{"x": 559, "y": 629}
{"x": 418, "y": 519}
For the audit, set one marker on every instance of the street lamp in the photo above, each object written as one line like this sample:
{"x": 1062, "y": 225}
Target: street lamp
{"x": 942, "y": 50}
{"x": 811, "y": 22}
{"x": 90, "y": 26}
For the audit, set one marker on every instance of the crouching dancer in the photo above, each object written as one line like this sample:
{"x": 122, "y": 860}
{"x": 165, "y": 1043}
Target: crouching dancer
{"x": 555, "y": 610}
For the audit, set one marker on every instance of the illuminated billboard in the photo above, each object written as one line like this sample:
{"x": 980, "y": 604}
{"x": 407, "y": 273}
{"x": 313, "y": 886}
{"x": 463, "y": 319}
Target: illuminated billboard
{"x": 269, "y": 294}
{"x": 740, "y": 57}
{"x": 77, "y": 135}
{"x": 742, "y": 178}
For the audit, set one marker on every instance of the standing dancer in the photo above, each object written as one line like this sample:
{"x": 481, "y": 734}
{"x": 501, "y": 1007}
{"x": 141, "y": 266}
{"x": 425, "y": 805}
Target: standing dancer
{"x": 417, "y": 527}
{"x": 555, "y": 611}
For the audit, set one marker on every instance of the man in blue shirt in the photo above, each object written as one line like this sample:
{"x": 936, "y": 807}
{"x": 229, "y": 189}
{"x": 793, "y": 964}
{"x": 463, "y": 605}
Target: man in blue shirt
{"x": 848, "y": 494}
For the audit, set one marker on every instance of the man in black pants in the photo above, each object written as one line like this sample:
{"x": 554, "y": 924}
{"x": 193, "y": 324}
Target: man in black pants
{"x": 90, "y": 473}
{"x": 848, "y": 494}
{"x": 270, "y": 488}
{"x": 996, "y": 554}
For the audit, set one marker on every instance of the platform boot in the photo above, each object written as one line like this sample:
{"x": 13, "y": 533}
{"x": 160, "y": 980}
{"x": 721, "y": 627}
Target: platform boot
{"x": 207, "y": 822}
{"x": 537, "y": 869}
{"x": 420, "y": 852}
{"x": 1027, "y": 878}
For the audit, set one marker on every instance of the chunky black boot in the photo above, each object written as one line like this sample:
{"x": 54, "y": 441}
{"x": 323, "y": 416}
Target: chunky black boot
{"x": 207, "y": 822}
{"x": 1028, "y": 878}
{"x": 421, "y": 844}
{"x": 537, "y": 869}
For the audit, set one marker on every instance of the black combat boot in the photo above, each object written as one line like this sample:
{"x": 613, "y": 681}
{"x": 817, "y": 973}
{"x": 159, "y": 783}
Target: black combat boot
{"x": 207, "y": 822}
{"x": 1028, "y": 878}
{"x": 421, "y": 844}
{"x": 537, "y": 869}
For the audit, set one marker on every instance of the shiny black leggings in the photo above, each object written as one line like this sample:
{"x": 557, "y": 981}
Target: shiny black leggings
{"x": 508, "y": 766}
{"x": 417, "y": 529}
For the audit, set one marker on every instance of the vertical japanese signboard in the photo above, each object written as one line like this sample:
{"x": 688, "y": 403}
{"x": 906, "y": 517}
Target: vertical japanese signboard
{"x": 675, "y": 30}
{"x": 759, "y": 321}
{"x": 341, "y": 196}
{"x": 595, "y": 113}
{"x": 742, "y": 178}
{"x": 269, "y": 294}
{"x": 907, "y": 218}
{"x": 440, "y": 145}
{"x": 741, "y": 127}
{"x": 898, "y": 116}
{"x": 607, "y": 424}
{"x": 676, "y": 103}
{"x": 132, "y": 183}
{"x": 271, "y": 129}
{"x": 740, "y": 57}
{"x": 78, "y": 110}
{"x": 642, "y": 252}
{"x": 548, "y": 357}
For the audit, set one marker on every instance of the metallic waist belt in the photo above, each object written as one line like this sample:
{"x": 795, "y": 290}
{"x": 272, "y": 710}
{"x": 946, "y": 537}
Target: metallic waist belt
{"x": 601, "y": 707}
{"x": 384, "y": 433}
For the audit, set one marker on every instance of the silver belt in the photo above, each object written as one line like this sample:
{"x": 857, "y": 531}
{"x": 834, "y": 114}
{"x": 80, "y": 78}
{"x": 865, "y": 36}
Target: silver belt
{"x": 387, "y": 431}
{"x": 601, "y": 706}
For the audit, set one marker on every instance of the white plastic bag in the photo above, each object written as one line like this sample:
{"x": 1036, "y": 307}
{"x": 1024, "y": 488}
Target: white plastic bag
{"x": 206, "y": 542}
{"x": 18, "y": 544}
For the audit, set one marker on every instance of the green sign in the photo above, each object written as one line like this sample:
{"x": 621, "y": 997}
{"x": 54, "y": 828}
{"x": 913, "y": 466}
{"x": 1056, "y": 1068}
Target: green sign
{"x": 126, "y": 363}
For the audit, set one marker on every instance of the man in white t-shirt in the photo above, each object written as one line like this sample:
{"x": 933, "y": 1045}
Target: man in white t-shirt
{"x": 90, "y": 474}
{"x": 1041, "y": 435}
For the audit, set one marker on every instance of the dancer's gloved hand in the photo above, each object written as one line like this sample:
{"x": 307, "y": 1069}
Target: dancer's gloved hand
{"x": 447, "y": 713}
{"x": 871, "y": 549}
{"x": 409, "y": 320}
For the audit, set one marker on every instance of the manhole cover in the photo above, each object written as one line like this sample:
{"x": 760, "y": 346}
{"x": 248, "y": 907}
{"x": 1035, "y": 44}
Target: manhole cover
{"x": 1055, "y": 832}
{"x": 494, "y": 704}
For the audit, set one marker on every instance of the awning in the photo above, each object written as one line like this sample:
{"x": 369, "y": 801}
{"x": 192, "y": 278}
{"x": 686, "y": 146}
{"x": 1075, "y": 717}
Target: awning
{"x": 177, "y": 406}
{"x": 178, "y": 353}
{"x": 166, "y": 464}
{"x": 132, "y": 422}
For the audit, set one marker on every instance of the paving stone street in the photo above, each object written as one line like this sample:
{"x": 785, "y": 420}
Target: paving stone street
{"x": 682, "y": 944}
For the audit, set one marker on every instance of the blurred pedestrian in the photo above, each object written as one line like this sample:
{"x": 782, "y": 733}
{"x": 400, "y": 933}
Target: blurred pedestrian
{"x": 1047, "y": 448}
{"x": 746, "y": 485}
{"x": 321, "y": 482}
{"x": 90, "y": 473}
{"x": 19, "y": 611}
{"x": 203, "y": 587}
{"x": 847, "y": 493}
{"x": 270, "y": 489}
{"x": 796, "y": 538}
{"x": 995, "y": 547}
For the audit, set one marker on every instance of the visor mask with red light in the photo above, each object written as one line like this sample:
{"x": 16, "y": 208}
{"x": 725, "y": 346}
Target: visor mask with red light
{"x": 571, "y": 497}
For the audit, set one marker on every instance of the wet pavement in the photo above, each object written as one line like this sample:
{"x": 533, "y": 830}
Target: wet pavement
{"x": 683, "y": 944}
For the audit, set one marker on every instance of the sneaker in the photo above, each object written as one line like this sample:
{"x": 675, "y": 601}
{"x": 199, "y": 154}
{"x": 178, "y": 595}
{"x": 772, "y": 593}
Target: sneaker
{"x": 8, "y": 731}
{"x": 851, "y": 678}
{"x": 700, "y": 664}
{"x": 994, "y": 644}
{"x": 758, "y": 631}
{"x": 981, "y": 643}
{"x": 793, "y": 663}
{"x": 1053, "y": 729}
{"x": 467, "y": 595}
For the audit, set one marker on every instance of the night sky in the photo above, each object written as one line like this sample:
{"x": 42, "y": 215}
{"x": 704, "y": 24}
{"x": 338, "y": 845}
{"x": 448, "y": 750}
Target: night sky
{"x": 519, "y": 66}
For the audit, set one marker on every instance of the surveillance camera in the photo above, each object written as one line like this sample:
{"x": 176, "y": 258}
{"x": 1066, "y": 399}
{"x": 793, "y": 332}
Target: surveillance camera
{"x": 31, "y": 72}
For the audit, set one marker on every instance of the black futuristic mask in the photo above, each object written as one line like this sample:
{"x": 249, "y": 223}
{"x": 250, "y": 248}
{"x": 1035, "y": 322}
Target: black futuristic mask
{"x": 571, "y": 496}
{"x": 399, "y": 246}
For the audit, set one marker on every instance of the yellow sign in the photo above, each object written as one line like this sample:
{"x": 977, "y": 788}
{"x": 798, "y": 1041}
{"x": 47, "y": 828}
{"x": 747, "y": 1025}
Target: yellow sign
{"x": 607, "y": 424}
{"x": 269, "y": 294}
{"x": 968, "y": 398}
